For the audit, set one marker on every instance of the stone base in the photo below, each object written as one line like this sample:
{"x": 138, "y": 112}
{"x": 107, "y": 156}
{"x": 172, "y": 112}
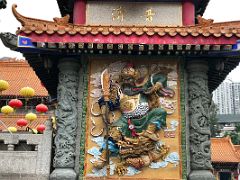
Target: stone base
{"x": 201, "y": 175}
{"x": 13, "y": 176}
{"x": 63, "y": 174}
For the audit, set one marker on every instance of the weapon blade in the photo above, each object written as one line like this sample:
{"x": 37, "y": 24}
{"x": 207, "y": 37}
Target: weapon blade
{"x": 105, "y": 82}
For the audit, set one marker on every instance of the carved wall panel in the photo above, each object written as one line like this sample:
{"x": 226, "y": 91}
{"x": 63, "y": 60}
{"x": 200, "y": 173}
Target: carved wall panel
{"x": 134, "y": 119}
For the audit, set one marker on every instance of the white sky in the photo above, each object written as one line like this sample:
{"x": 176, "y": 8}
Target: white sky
{"x": 40, "y": 9}
{"x": 219, "y": 10}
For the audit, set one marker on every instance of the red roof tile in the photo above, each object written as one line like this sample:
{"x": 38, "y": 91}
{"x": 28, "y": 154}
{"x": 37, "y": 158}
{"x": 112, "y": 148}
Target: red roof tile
{"x": 223, "y": 150}
{"x": 19, "y": 74}
{"x": 237, "y": 147}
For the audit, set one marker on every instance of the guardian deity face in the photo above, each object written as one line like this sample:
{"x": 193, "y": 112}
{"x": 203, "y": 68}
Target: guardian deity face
{"x": 129, "y": 75}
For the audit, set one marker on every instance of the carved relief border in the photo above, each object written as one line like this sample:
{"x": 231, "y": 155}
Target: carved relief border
{"x": 199, "y": 100}
{"x": 85, "y": 75}
{"x": 66, "y": 115}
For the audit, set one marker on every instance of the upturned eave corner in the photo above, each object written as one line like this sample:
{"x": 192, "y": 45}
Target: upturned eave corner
{"x": 26, "y": 21}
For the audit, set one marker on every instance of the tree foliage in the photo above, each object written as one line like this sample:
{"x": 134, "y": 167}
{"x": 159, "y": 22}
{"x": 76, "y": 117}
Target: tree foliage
{"x": 3, "y": 4}
{"x": 235, "y": 135}
{"x": 213, "y": 119}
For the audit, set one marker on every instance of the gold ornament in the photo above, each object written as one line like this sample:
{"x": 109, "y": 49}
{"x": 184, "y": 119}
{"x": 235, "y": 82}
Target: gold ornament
{"x": 118, "y": 14}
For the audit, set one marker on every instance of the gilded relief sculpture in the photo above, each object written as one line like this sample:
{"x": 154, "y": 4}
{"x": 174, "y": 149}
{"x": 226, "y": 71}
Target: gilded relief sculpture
{"x": 133, "y": 116}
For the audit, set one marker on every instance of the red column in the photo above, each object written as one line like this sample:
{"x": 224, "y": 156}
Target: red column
{"x": 188, "y": 12}
{"x": 79, "y": 12}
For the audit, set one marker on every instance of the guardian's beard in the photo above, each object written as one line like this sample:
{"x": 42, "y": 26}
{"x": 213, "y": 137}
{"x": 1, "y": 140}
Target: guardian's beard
{"x": 131, "y": 89}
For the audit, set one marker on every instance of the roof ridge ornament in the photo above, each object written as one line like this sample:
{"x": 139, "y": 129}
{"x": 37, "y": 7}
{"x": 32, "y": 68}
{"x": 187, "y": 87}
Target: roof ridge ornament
{"x": 204, "y": 22}
{"x": 63, "y": 20}
{"x": 26, "y": 20}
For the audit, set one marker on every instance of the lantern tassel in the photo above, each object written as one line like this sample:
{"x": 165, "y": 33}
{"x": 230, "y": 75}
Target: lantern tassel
{"x": 26, "y": 102}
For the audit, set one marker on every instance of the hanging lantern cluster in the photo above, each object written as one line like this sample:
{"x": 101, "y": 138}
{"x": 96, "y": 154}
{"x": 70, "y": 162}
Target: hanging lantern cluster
{"x": 3, "y": 85}
{"x": 27, "y": 92}
{"x": 30, "y": 117}
{"x": 15, "y": 103}
{"x": 7, "y": 110}
{"x": 41, "y": 108}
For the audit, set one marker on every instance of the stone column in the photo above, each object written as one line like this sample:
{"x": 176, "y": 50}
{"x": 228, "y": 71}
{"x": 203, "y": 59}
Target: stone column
{"x": 64, "y": 160}
{"x": 199, "y": 100}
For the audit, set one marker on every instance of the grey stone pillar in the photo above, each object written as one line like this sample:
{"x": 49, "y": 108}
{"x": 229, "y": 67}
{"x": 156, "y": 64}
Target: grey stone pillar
{"x": 199, "y": 100}
{"x": 44, "y": 153}
{"x": 64, "y": 160}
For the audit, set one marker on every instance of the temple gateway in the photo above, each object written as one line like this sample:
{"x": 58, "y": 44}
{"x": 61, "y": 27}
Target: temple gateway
{"x": 133, "y": 81}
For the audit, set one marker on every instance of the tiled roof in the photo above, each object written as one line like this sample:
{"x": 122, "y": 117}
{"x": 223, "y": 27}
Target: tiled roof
{"x": 60, "y": 26}
{"x": 19, "y": 74}
{"x": 10, "y": 121}
{"x": 237, "y": 148}
{"x": 223, "y": 150}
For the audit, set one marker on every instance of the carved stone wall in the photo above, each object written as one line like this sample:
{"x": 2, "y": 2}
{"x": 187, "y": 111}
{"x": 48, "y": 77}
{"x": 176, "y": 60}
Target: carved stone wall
{"x": 66, "y": 119}
{"x": 199, "y": 100}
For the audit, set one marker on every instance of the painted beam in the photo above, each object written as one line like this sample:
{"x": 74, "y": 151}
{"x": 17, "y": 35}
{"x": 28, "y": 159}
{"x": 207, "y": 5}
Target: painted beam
{"x": 188, "y": 12}
{"x": 79, "y": 12}
{"x": 132, "y": 39}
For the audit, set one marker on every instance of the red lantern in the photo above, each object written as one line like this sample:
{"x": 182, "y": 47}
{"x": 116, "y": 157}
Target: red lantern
{"x": 15, "y": 103}
{"x": 22, "y": 122}
{"x": 41, "y": 128}
{"x": 42, "y": 108}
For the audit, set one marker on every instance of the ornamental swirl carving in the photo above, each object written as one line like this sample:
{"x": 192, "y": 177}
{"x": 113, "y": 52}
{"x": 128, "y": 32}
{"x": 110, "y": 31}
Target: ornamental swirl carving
{"x": 66, "y": 119}
{"x": 199, "y": 113}
{"x": 9, "y": 40}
